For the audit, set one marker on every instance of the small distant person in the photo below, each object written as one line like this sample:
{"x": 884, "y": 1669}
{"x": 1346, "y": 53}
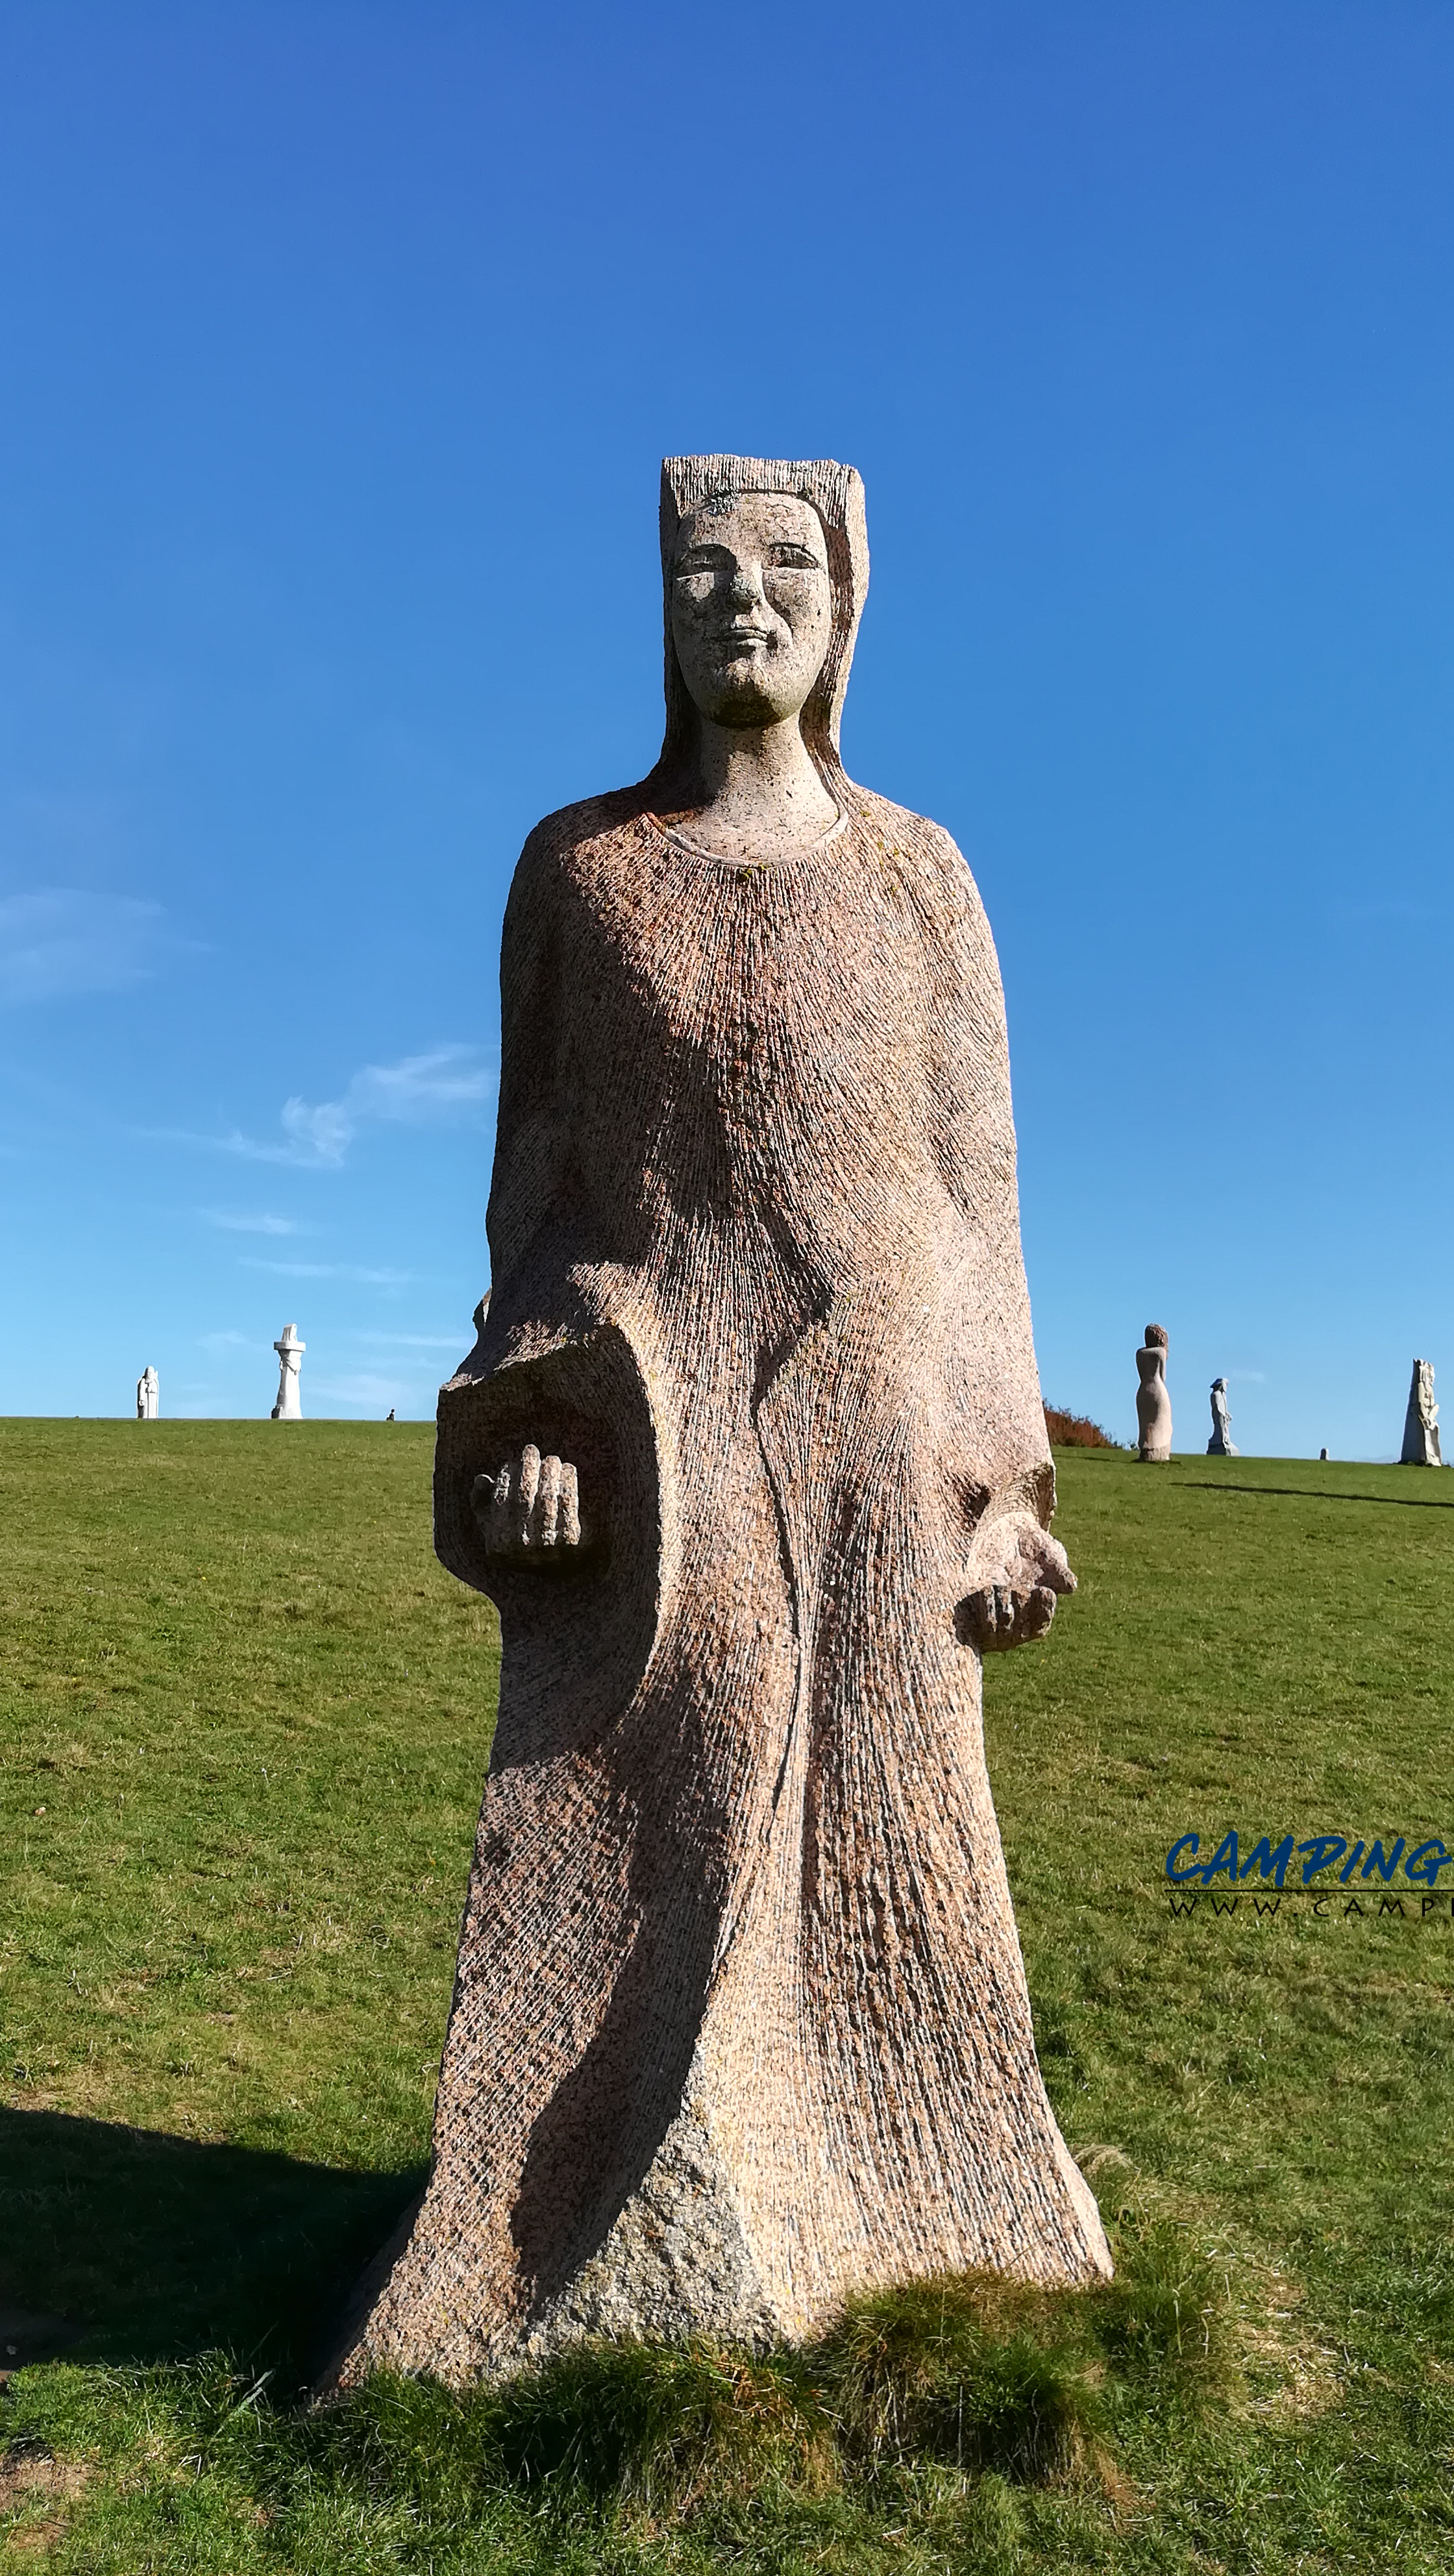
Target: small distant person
{"x": 1322, "y": 1456}
{"x": 389, "y": 1416}
{"x": 1221, "y": 1443}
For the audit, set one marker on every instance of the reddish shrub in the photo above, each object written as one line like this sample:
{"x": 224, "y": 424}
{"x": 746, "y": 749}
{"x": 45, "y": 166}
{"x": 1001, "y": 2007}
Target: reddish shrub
{"x": 1075, "y": 1431}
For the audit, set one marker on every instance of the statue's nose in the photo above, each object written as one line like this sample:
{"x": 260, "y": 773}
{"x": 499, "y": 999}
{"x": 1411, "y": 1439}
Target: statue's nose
{"x": 745, "y": 588}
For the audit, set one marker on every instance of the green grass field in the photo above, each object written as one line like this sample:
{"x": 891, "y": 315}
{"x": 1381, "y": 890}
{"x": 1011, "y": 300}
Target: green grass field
{"x": 246, "y": 1718}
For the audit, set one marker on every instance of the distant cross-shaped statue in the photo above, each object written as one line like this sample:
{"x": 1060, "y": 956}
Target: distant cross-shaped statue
{"x": 1421, "y": 1422}
{"x": 148, "y": 1396}
{"x": 1221, "y": 1443}
{"x": 290, "y": 1360}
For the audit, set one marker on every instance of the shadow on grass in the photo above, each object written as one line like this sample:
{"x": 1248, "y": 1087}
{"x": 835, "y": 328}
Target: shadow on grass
{"x": 1312, "y": 1494}
{"x": 149, "y": 2248}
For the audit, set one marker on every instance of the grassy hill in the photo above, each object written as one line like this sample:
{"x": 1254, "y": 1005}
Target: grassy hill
{"x": 245, "y": 1721}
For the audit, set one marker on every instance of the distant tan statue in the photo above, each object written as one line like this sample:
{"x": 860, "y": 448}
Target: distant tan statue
{"x": 1221, "y": 1443}
{"x": 750, "y": 1452}
{"x": 148, "y": 1396}
{"x": 1421, "y": 1422}
{"x": 1153, "y": 1403}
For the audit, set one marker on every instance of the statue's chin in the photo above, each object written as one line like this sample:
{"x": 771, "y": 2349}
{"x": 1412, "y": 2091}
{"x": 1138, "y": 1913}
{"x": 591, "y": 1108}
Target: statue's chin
{"x": 740, "y": 700}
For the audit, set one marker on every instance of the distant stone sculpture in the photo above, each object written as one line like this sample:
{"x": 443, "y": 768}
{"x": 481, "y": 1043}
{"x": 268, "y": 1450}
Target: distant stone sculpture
{"x": 148, "y": 1396}
{"x": 1322, "y": 1455}
{"x": 750, "y": 1453}
{"x": 1421, "y": 1422}
{"x": 1153, "y": 1403}
{"x": 1221, "y": 1443}
{"x": 290, "y": 1361}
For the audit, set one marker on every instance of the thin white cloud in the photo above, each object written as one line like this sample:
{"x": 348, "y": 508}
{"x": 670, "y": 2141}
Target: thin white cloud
{"x": 416, "y": 1341}
{"x": 420, "y": 1090}
{"x": 322, "y": 1134}
{"x": 250, "y": 1224}
{"x": 336, "y": 1270}
{"x": 228, "y": 1342}
{"x": 59, "y": 942}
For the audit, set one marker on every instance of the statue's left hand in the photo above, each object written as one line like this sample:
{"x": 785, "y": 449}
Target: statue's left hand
{"x": 994, "y": 1619}
{"x": 529, "y": 1510}
{"x": 1017, "y": 1572}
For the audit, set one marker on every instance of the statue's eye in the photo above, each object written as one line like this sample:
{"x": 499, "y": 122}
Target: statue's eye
{"x": 704, "y": 559}
{"x": 792, "y": 559}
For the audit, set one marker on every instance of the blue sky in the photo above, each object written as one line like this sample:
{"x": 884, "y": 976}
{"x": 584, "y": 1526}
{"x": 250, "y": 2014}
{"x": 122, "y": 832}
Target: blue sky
{"x": 338, "y": 347}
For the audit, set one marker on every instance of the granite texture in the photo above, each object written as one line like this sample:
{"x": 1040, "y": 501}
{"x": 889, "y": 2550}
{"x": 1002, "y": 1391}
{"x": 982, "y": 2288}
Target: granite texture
{"x": 1421, "y": 1421}
{"x": 1153, "y": 1403}
{"x": 751, "y": 1455}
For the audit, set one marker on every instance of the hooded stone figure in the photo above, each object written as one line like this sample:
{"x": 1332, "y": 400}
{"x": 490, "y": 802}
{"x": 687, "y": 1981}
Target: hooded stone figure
{"x": 750, "y": 1453}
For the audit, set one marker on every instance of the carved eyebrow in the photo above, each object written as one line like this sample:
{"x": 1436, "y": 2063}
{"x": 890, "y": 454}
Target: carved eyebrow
{"x": 786, "y": 555}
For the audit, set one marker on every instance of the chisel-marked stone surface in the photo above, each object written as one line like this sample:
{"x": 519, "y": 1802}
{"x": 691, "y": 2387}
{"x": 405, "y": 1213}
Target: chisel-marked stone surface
{"x": 751, "y": 1455}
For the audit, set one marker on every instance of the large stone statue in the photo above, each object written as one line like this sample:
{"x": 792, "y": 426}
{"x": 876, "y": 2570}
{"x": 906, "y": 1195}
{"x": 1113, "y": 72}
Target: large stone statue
{"x": 1221, "y": 1443}
{"x": 751, "y": 1455}
{"x": 148, "y": 1396}
{"x": 290, "y": 1362}
{"x": 1153, "y": 1403}
{"x": 1421, "y": 1422}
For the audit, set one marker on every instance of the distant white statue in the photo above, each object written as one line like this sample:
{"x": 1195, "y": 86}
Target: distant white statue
{"x": 290, "y": 1355}
{"x": 1421, "y": 1422}
{"x": 148, "y": 1396}
{"x": 1153, "y": 1404}
{"x": 1221, "y": 1443}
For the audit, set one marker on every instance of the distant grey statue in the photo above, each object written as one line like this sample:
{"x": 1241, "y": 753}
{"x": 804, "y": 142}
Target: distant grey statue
{"x": 1421, "y": 1422}
{"x": 1221, "y": 1443}
{"x": 1153, "y": 1404}
{"x": 148, "y": 1396}
{"x": 290, "y": 1361}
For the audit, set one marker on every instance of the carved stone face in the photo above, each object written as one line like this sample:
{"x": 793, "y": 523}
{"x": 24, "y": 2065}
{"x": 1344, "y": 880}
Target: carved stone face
{"x": 751, "y": 607}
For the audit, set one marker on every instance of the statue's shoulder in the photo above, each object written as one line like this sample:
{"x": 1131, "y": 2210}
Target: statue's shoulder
{"x": 930, "y": 854}
{"x": 563, "y": 842}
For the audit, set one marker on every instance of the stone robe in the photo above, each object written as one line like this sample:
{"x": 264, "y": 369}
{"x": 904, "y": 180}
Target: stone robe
{"x": 741, "y": 2021}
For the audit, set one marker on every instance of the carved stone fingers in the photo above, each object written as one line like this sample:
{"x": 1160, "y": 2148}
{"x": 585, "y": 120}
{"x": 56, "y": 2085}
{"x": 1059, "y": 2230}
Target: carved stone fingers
{"x": 529, "y": 1510}
{"x": 997, "y": 1618}
{"x": 554, "y": 1517}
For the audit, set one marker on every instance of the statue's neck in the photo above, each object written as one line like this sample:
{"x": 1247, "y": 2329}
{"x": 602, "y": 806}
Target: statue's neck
{"x": 752, "y": 791}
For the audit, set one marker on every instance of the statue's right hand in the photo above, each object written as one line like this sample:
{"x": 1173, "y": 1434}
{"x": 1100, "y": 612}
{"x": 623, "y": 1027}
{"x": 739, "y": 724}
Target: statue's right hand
{"x": 529, "y": 1509}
